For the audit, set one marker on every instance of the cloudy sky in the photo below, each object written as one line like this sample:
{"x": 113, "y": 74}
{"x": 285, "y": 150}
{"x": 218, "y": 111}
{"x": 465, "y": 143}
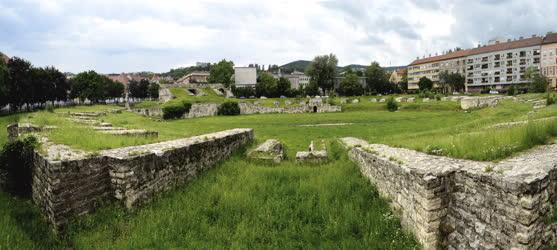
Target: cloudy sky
{"x": 156, "y": 35}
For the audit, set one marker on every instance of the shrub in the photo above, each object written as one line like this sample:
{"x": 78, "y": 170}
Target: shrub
{"x": 16, "y": 163}
{"x": 551, "y": 99}
{"x": 426, "y": 94}
{"x": 511, "y": 91}
{"x": 392, "y": 105}
{"x": 175, "y": 111}
{"x": 229, "y": 108}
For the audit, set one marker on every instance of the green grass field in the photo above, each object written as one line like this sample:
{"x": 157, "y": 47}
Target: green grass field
{"x": 243, "y": 204}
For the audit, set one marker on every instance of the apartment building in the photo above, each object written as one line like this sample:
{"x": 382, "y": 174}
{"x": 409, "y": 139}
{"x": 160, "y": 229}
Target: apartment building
{"x": 549, "y": 58}
{"x": 431, "y": 67}
{"x": 497, "y": 65}
{"x": 245, "y": 77}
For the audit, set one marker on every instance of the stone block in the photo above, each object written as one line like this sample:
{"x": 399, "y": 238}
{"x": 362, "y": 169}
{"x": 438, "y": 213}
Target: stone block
{"x": 270, "y": 150}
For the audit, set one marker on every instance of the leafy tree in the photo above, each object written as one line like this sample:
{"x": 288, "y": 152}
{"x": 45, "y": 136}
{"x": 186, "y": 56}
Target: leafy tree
{"x": 456, "y": 81}
{"x": 350, "y": 86}
{"x": 59, "y": 84}
{"x": 113, "y": 89}
{"x": 444, "y": 81}
{"x": 392, "y": 105}
{"x": 20, "y": 82}
{"x": 266, "y": 86}
{"x": 377, "y": 79}
{"x": 154, "y": 90}
{"x": 139, "y": 89}
{"x": 4, "y": 77}
{"x": 311, "y": 89}
{"x": 222, "y": 73}
{"x": 88, "y": 85}
{"x": 403, "y": 84}
{"x": 283, "y": 86}
{"x": 425, "y": 84}
{"x": 538, "y": 83}
{"x": 322, "y": 71}
{"x": 243, "y": 91}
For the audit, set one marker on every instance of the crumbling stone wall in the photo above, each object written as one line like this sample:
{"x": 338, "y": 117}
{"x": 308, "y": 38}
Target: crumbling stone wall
{"x": 250, "y": 108}
{"x": 461, "y": 204}
{"x": 73, "y": 183}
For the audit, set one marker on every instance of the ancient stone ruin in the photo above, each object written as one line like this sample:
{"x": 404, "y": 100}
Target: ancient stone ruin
{"x": 271, "y": 150}
{"x": 313, "y": 155}
{"x": 462, "y": 204}
{"x": 69, "y": 183}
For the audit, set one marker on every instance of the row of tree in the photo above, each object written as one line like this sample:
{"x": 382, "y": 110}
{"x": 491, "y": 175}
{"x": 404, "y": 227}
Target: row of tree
{"x": 323, "y": 71}
{"x": 21, "y": 83}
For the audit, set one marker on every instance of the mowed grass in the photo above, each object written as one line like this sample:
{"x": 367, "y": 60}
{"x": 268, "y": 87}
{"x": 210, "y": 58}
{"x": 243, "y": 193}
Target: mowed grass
{"x": 243, "y": 204}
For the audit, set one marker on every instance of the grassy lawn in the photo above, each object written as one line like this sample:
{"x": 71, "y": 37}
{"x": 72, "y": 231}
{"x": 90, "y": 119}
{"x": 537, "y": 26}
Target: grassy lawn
{"x": 243, "y": 204}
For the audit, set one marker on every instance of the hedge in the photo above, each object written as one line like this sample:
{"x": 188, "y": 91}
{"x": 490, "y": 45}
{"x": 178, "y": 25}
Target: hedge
{"x": 229, "y": 108}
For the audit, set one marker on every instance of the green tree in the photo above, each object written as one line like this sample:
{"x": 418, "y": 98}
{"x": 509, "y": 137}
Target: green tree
{"x": 323, "y": 70}
{"x": 456, "y": 81}
{"x": 425, "y": 84}
{"x": 377, "y": 79}
{"x": 154, "y": 90}
{"x": 20, "y": 82}
{"x": 222, "y": 73}
{"x": 537, "y": 82}
{"x": 444, "y": 81}
{"x": 88, "y": 85}
{"x": 266, "y": 86}
{"x": 139, "y": 89}
{"x": 311, "y": 89}
{"x": 350, "y": 86}
{"x": 4, "y": 77}
{"x": 112, "y": 89}
{"x": 283, "y": 86}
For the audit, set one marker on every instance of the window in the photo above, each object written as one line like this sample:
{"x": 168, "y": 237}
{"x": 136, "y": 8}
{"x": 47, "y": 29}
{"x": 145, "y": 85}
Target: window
{"x": 497, "y": 79}
{"x": 470, "y": 67}
{"x": 522, "y": 61}
{"x": 522, "y": 53}
{"x": 470, "y": 81}
{"x": 497, "y": 64}
{"x": 497, "y": 73}
{"x": 509, "y": 55}
{"x": 536, "y": 60}
{"x": 536, "y": 52}
{"x": 484, "y": 59}
{"x": 470, "y": 61}
{"x": 497, "y": 57}
{"x": 509, "y": 70}
{"x": 509, "y": 78}
{"x": 509, "y": 63}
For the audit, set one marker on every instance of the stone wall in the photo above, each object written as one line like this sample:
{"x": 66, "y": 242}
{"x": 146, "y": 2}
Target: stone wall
{"x": 251, "y": 108}
{"x": 461, "y": 204}
{"x": 474, "y": 102}
{"x": 69, "y": 183}
{"x": 202, "y": 110}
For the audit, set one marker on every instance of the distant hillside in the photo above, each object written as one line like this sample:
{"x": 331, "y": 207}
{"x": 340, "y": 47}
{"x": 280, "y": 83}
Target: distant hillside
{"x": 301, "y": 66}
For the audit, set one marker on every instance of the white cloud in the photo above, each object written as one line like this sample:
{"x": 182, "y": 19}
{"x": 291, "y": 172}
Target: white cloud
{"x": 133, "y": 35}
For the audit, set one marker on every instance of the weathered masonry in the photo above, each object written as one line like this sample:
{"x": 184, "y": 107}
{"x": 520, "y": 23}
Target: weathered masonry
{"x": 461, "y": 204}
{"x": 68, "y": 183}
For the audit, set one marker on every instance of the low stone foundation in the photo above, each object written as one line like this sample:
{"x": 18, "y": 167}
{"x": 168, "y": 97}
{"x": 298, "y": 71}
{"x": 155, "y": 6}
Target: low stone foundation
{"x": 69, "y": 183}
{"x": 461, "y": 204}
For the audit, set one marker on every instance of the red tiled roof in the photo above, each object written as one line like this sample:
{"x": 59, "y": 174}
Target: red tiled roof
{"x": 550, "y": 38}
{"x": 528, "y": 42}
{"x": 448, "y": 56}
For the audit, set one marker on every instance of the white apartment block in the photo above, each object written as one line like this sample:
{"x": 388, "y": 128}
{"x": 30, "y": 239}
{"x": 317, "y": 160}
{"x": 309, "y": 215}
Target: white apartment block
{"x": 245, "y": 77}
{"x": 494, "y": 66}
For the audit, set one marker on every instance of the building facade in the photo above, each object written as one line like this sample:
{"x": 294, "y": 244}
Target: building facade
{"x": 494, "y": 66}
{"x": 549, "y": 58}
{"x": 245, "y": 77}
